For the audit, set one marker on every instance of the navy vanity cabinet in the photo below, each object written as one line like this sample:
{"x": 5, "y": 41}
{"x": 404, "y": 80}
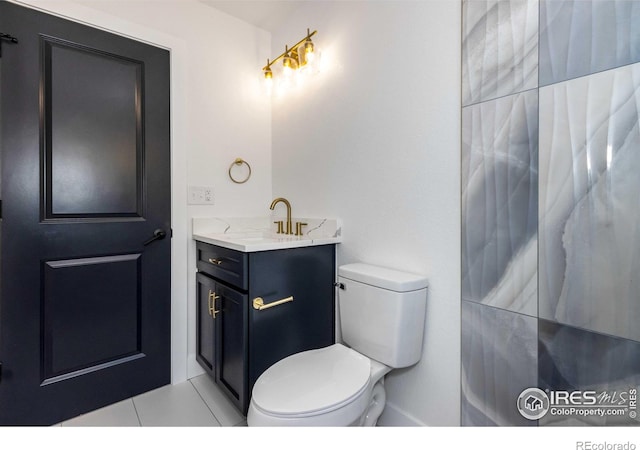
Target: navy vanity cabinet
{"x": 295, "y": 287}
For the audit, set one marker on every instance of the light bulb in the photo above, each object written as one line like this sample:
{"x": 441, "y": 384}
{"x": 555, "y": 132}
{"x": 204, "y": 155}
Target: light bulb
{"x": 309, "y": 57}
{"x": 287, "y": 66}
{"x": 308, "y": 50}
{"x": 268, "y": 85}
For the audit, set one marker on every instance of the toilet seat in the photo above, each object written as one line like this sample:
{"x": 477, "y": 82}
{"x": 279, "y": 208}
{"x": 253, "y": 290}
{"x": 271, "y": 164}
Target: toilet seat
{"x": 312, "y": 383}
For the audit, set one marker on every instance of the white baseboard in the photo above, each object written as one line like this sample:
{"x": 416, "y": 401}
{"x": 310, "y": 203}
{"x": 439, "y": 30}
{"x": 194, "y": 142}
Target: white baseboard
{"x": 392, "y": 416}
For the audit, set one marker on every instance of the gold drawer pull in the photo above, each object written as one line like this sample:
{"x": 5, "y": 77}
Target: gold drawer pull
{"x": 258, "y": 303}
{"x": 215, "y": 261}
{"x": 212, "y": 303}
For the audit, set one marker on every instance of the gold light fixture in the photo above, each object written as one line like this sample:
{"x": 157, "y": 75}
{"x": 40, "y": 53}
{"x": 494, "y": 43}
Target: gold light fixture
{"x": 294, "y": 58}
{"x": 268, "y": 74}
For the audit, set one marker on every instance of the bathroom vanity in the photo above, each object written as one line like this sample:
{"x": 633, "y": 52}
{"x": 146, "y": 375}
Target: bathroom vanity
{"x": 260, "y": 298}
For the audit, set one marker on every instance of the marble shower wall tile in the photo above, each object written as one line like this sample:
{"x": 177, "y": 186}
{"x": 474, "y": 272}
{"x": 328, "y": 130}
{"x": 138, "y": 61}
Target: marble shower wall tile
{"x": 500, "y": 202}
{"x": 499, "y": 361}
{"x": 589, "y": 216}
{"x": 572, "y": 359}
{"x": 583, "y": 37}
{"x": 499, "y": 48}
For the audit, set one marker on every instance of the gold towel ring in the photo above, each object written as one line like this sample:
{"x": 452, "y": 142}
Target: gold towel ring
{"x": 239, "y": 162}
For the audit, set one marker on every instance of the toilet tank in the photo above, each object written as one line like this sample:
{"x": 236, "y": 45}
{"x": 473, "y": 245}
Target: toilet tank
{"x": 382, "y": 313}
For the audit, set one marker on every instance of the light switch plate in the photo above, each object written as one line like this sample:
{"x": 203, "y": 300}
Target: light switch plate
{"x": 201, "y": 195}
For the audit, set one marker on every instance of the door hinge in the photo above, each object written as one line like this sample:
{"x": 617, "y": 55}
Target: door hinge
{"x": 6, "y": 37}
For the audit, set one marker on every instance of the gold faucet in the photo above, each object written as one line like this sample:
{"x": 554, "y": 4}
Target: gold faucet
{"x": 289, "y": 229}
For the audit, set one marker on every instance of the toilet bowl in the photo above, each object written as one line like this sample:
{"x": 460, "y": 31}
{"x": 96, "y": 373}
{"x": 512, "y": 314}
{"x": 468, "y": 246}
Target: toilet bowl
{"x": 331, "y": 386}
{"x": 382, "y": 321}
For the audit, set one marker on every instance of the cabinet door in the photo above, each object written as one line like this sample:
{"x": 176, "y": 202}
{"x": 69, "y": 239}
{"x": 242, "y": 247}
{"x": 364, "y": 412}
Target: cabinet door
{"x": 231, "y": 340}
{"x": 307, "y": 322}
{"x": 205, "y": 325}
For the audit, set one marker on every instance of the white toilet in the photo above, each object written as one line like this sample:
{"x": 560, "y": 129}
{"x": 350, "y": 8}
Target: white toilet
{"x": 382, "y": 313}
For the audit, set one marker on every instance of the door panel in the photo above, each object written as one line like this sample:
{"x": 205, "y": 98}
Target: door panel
{"x": 85, "y": 181}
{"x": 205, "y": 326}
{"x": 231, "y": 324}
{"x": 93, "y": 123}
{"x": 83, "y": 303}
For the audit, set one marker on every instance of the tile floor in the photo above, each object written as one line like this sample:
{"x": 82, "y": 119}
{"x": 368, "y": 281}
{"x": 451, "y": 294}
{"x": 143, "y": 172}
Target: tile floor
{"x": 195, "y": 402}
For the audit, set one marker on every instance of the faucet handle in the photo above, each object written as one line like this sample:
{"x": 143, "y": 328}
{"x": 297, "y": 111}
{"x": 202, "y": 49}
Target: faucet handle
{"x": 280, "y": 224}
{"x": 299, "y": 226}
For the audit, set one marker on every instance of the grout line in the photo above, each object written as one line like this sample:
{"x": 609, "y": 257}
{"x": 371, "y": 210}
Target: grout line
{"x": 205, "y": 402}
{"x": 136, "y": 411}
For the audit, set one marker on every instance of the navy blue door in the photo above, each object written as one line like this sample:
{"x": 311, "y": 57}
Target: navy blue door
{"x": 84, "y": 244}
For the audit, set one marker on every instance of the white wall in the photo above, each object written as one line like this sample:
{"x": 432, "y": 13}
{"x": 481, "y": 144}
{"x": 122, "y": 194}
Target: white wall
{"x": 218, "y": 114}
{"x": 375, "y": 140}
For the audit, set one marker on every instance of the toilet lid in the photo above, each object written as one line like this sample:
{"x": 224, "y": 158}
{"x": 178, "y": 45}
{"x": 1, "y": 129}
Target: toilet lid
{"x": 312, "y": 381}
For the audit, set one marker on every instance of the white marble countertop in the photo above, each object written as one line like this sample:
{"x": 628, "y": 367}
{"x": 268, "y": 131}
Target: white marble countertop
{"x": 259, "y": 234}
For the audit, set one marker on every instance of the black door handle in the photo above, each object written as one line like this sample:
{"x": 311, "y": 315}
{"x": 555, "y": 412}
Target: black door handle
{"x": 158, "y": 235}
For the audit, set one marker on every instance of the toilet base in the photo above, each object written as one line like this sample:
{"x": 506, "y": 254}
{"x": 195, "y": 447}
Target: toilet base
{"x": 378, "y": 402}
